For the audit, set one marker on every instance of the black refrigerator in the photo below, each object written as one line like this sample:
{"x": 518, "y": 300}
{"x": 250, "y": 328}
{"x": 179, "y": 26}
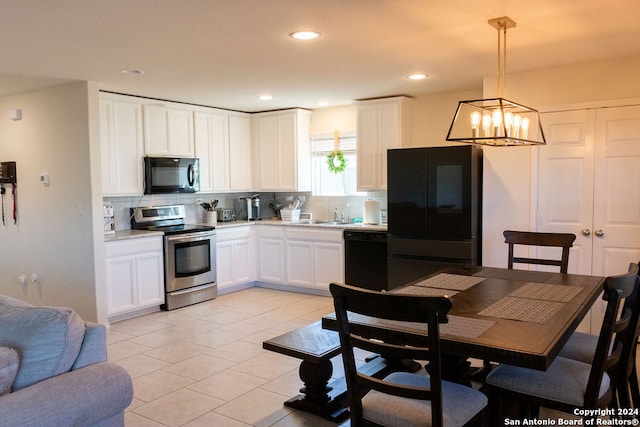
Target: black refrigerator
{"x": 434, "y": 210}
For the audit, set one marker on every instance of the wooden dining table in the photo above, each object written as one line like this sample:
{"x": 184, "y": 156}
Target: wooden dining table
{"x": 518, "y": 317}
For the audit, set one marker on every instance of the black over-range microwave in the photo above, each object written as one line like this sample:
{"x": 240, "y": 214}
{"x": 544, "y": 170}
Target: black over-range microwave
{"x": 171, "y": 175}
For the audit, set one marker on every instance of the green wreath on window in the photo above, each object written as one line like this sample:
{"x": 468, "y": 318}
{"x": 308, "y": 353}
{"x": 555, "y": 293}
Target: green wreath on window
{"x": 336, "y": 162}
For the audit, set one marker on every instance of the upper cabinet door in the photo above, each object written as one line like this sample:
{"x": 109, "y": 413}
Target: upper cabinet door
{"x": 266, "y": 146}
{"x": 121, "y": 145}
{"x": 240, "y": 172}
{"x": 382, "y": 124}
{"x": 168, "y": 131}
{"x": 286, "y": 152}
{"x": 283, "y": 151}
{"x": 212, "y": 148}
{"x": 367, "y": 151}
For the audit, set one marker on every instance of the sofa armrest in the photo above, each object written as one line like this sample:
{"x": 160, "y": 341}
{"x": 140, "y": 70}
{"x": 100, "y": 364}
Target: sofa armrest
{"x": 84, "y": 397}
{"x": 94, "y": 346}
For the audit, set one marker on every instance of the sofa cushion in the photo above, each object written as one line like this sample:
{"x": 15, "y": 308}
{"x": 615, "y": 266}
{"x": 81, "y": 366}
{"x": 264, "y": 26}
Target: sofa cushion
{"x": 8, "y": 368}
{"x": 94, "y": 346}
{"x": 47, "y": 339}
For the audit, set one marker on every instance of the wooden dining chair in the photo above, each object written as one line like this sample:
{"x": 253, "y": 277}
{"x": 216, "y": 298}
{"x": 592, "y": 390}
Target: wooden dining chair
{"x": 569, "y": 384}
{"x": 581, "y": 346}
{"x": 530, "y": 238}
{"x": 401, "y": 398}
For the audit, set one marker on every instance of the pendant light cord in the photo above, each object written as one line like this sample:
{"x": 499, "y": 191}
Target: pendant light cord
{"x": 502, "y": 60}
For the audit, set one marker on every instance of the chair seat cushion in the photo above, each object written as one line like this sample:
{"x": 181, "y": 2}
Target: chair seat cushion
{"x": 459, "y": 404}
{"x": 580, "y": 347}
{"x": 47, "y": 339}
{"x": 565, "y": 381}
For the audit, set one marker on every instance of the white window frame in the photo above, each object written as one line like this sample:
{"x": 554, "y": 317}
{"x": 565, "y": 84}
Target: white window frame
{"x": 323, "y": 144}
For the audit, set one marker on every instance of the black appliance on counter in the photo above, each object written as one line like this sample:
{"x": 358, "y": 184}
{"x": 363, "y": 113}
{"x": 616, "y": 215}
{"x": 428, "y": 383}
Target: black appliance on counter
{"x": 365, "y": 256}
{"x": 434, "y": 209}
{"x": 189, "y": 254}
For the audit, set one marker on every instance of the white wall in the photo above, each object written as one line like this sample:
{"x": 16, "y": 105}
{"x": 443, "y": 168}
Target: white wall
{"x": 329, "y": 119}
{"x": 54, "y": 236}
{"x": 432, "y": 116}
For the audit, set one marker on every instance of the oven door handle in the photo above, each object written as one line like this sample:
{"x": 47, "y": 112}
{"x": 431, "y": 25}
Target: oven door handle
{"x": 190, "y": 238}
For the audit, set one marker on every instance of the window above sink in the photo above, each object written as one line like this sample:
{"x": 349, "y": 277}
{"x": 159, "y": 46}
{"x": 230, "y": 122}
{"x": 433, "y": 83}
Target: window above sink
{"x": 323, "y": 181}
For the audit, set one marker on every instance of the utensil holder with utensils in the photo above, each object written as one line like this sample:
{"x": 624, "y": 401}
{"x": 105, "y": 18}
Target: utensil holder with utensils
{"x": 290, "y": 214}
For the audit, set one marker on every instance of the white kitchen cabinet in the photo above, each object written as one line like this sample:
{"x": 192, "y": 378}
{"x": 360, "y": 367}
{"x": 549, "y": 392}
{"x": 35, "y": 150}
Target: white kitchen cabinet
{"x": 240, "y": 170}
{"x": 301, "y": 258}
{"x": 328, "y": 261}
{"x": 121, "y": 145}
{"x": 315, "y": 257}
{"x": 223, "y": 145}
{"x": 299, "y": 262}
{"x": 382, "y": 124}
{"x": 211, "y": 138}
{"x": 135, "y": 275}
{"x": 271, "y": 254}
{"x": 234, "y": 258}
{"x": 282, "y": 150}
{"x": 168, "y": 130}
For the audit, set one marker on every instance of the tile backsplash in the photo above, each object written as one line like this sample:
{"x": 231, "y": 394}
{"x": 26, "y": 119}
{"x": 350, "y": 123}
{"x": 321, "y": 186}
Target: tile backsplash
{"x": 320, "y": 207}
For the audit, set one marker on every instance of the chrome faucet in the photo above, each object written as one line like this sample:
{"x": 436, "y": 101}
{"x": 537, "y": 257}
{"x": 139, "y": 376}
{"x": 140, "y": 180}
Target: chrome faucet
{"x": 335, "y": 214}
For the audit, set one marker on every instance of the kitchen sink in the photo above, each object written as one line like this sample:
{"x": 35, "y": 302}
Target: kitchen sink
{"x": 316, "y": 222}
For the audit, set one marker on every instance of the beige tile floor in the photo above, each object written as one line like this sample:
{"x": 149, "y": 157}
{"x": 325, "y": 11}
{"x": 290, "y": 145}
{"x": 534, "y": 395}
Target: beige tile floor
{"x": 204, "y": 365}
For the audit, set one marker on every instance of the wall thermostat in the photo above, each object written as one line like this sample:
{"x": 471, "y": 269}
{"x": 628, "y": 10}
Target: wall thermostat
{"x": 44, "y": 179}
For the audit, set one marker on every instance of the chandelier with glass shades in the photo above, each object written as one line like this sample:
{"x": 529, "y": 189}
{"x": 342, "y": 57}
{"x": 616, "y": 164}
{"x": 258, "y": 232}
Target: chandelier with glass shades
{"x": 497, "y": 121}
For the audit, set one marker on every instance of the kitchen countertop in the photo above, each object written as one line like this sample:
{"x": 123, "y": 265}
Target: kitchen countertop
{"x": 131, "y": 234}
{"x": 327, "y": 225}
{"x": 136, "y": 234}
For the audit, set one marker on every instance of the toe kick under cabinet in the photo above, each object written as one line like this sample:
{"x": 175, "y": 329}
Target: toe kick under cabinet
{"x": 135, "y": 276}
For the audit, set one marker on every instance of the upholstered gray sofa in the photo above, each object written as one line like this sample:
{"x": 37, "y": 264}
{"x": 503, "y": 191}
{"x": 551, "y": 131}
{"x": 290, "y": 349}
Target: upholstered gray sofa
{"x": 54, "y": 369}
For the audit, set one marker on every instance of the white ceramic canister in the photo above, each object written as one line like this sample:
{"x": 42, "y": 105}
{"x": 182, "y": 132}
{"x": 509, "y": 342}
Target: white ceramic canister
{"x": 211, "y": 217}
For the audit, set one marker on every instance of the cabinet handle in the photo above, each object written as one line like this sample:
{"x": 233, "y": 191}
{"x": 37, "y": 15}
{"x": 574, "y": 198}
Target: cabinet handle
{"x": 586, "y": 232}
{"x": 599, "y": 232}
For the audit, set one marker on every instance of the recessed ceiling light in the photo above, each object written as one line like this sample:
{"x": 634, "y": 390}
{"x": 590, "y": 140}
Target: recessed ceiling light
{"x": 417, "y": 76}
{"x": 265, "y": 97}
{"x": 132, "y": 71}
{"x": 304, "y": 35}
{"x": 323, "y": 103}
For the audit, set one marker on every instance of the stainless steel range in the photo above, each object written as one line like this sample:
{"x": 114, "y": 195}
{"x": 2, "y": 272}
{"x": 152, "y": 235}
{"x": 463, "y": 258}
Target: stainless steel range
{"x": 189, "y": 254}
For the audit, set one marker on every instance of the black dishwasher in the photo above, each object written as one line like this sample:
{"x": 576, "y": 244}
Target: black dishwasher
{"x": 365, "y": 259}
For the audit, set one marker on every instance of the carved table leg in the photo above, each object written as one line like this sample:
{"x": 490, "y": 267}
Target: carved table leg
{"x": 315, "y": 397}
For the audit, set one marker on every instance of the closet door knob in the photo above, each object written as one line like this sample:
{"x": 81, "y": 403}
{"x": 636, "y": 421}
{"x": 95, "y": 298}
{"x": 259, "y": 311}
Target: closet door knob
{"x": 586, "y": 232}
{"x": 599, "y": 232}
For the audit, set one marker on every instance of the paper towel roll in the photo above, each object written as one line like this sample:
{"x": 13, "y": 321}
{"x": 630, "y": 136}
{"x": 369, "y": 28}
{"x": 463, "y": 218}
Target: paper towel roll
{"x": 371, "y": 212}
